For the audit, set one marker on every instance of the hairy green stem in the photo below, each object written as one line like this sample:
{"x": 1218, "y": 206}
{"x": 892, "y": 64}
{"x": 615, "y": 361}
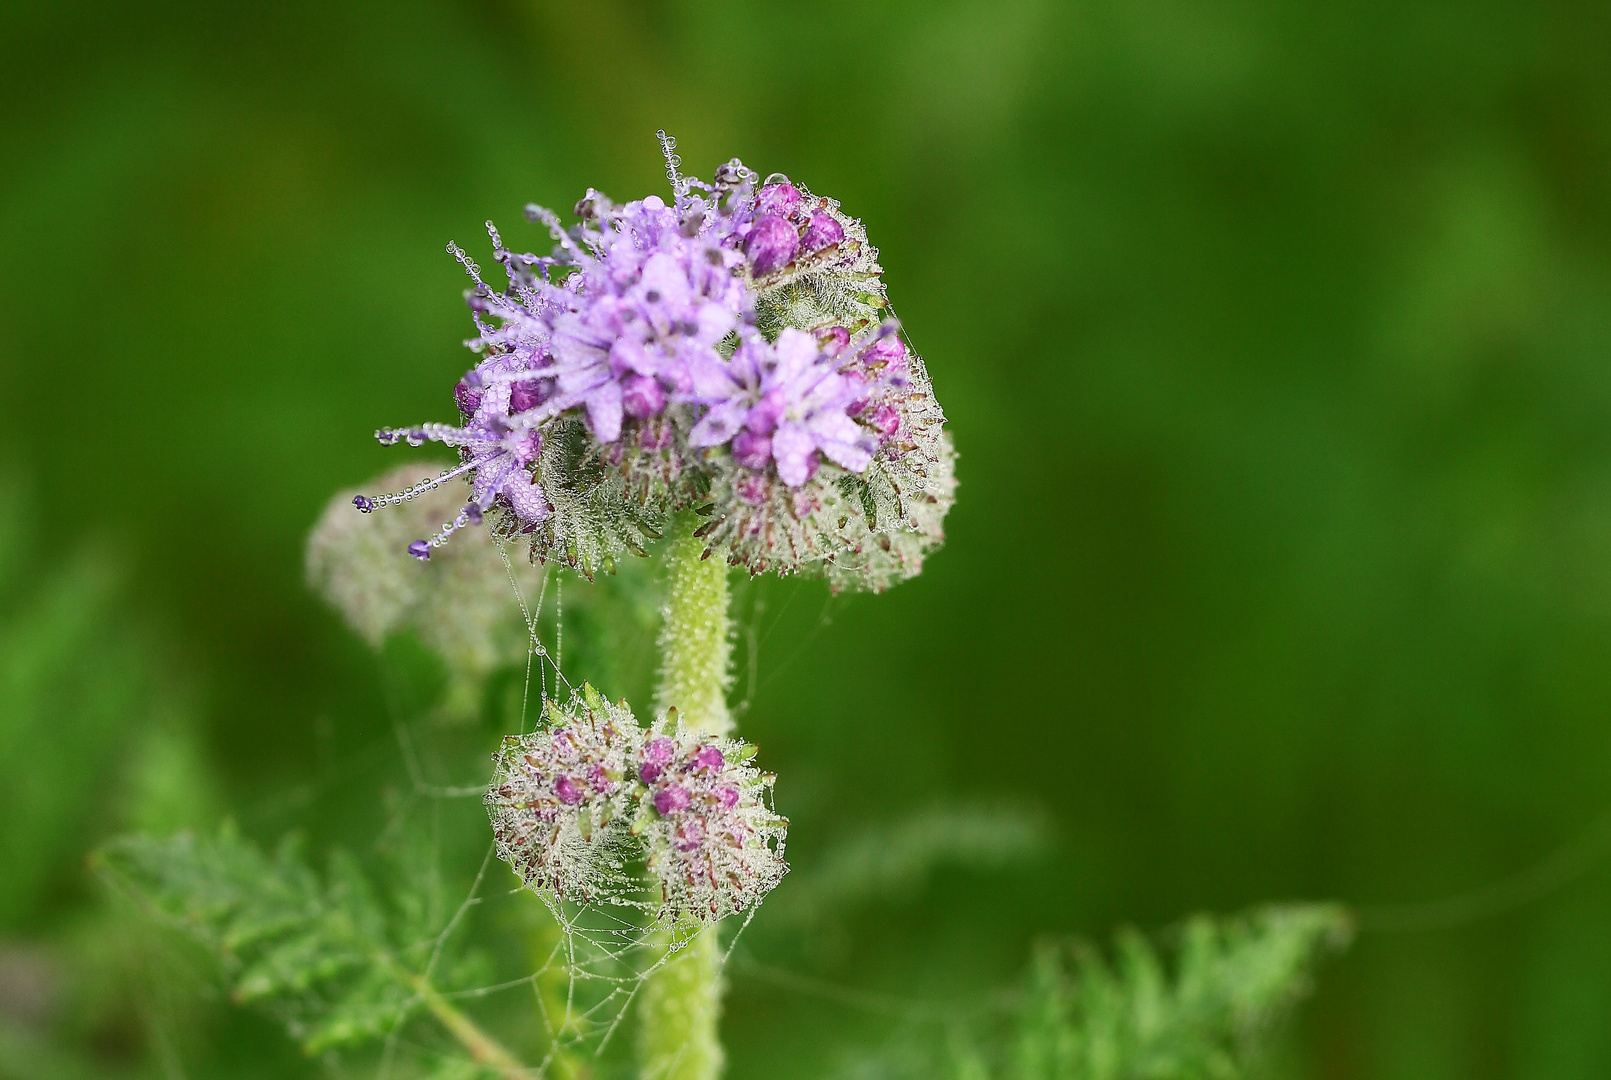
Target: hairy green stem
{"x": 682, "y": 1001}
{"x": 696, "y": 646}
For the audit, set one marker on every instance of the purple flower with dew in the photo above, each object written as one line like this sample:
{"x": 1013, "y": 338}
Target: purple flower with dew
{"x": 614, "y": 369}
{"x": 790, "y": 403}
{"x": 649, "y": 291}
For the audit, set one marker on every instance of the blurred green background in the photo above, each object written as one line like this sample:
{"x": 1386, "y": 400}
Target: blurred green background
{"x": 1276, "y": 342}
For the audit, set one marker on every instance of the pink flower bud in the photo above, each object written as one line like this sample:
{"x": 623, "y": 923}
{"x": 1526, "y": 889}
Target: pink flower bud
{"x": 770, "y": 245}
{"x": 823, "y": 232}
{"x": 707, "y": 757}
{"x": 568, "y": 791}
{"x": 780, "y": 199}
{"x": 670, "y": 799}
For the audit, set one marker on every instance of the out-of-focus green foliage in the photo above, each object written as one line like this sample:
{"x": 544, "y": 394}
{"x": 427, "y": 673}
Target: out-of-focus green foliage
{"x": 1083, "y": 1018}
{"x": 1206, "y": 1006}
{"x": 322, "y": 955}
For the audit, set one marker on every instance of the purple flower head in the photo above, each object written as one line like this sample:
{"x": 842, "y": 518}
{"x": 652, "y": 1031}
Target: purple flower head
{"x": 724, "y": 346}
{"x": 649, "y": 302}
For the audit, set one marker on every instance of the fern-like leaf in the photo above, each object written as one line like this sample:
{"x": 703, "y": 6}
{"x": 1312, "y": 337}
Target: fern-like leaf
{"x": 1084, "y": 1017}
{"x": 315, "y": 953}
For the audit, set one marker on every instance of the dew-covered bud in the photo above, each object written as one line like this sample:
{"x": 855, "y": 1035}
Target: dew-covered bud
{"x": 527, "y": 394}
{"x": 752, "y": 490}
{"x": 568, "y": 792}
{"x": 884, "y": 419}
{"x": 770, "y": 245}
{"x": 467, "y": 397}
{"x": 887, "y": 351}
{"x": 420, "y": 549}
{"x": 780, "y": 199}
{"x": 655, "y": 756}
{"x": 823, "y": 232}
{"x": 576, "y": 802}
{"x": 711, "y": 840}
{"x": 833, "y": 339}
{"x": 671, "y": 799}
{"x": 560, "y": 812}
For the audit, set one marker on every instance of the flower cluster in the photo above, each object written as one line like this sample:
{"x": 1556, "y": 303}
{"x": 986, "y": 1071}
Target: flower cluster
{"x": 730, "y": 353}
{"x": 712, "y": 843}
{"x": 577, "y": 804}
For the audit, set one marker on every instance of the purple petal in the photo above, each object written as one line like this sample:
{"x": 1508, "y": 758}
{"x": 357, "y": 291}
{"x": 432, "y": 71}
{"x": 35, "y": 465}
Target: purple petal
{"x": 751, "y": 450}
{"x": 604, "y": 412}
{"x": 642, "y": 397}
{"x": 719, "y": 424}
{"x": 527, "y": 498}
{"x": 797, "y": 351}
{"x": 792, "y": 447}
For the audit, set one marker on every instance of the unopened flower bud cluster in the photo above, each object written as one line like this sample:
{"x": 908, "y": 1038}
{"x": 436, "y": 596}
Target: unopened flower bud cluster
{"x": 578, "y": 804}
{"x": 730, "y": 353}
{"x": 460, "y": 608}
